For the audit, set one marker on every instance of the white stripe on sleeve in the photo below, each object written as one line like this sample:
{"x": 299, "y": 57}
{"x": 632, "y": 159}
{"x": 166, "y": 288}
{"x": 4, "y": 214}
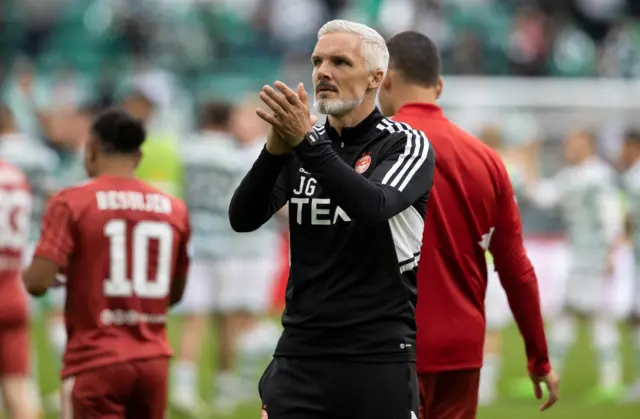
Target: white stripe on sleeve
{"x": 414, "y": 155}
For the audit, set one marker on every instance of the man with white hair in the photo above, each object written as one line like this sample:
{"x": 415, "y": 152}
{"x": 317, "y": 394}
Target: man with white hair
{"x": 357, "y": 189}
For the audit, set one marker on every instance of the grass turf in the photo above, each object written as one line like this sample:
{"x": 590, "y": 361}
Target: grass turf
{"x": 579, "y": 378}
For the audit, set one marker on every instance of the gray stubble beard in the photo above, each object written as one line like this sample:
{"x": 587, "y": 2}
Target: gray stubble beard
{"x": 336, "y": 107}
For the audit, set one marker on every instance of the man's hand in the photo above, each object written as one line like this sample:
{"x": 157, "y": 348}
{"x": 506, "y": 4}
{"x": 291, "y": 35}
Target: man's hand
{"x": 291, "y": 116}
{"x": 275, "y": 144}
{"x": 552, "y": 382}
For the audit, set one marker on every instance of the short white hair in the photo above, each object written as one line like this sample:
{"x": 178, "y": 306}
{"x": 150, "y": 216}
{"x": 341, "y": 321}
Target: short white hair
{"x": 373, "y": 47}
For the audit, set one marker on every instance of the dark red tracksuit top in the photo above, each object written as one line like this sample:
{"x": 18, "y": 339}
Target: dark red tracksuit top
{"x": 472, "y": 209}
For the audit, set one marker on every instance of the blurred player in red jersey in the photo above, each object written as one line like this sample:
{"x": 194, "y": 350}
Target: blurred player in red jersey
{"x": 122, "y": 246}
{"x": 472, "y": 209}
{"x": 15, "y": 210}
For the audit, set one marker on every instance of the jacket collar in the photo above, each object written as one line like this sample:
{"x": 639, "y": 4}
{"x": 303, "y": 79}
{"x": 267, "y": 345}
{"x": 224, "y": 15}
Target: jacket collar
{"x": 357, "y": 134}
{"x": 423, "y": 110}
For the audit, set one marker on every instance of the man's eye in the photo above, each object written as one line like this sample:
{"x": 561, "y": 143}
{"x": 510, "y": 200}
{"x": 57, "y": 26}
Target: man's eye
{"x": 316, "y": 62}
{"x": 339, "y": 61}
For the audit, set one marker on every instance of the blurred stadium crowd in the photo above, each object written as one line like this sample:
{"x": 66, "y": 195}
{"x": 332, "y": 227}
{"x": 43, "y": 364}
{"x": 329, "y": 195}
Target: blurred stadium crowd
{"x": 489, "y": 37}
{"x": 178, "y": 64}
{"x": 63, "y": 59}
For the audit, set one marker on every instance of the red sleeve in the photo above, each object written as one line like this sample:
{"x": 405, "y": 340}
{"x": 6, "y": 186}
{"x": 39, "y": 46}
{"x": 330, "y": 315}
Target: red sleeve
{"x": 518, "y": 278}
{"x": 56, "y": 238}
{"x": 184, "y": 251}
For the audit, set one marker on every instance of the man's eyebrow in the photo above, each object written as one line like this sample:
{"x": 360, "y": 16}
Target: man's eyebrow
{"x": 338, "y": 56}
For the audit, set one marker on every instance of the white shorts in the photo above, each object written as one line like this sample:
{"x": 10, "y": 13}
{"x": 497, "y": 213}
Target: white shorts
{"x": 245, "y": 285}
{"x": 497, "y": 309}
{"x": 626, "y": 284}
{"x": 598, "y": 293}
{"x": 589, "y": 294}
{"x": 227, "y": 286}
{"x": 199, "y": 293}
{"x": 550, "y": 259}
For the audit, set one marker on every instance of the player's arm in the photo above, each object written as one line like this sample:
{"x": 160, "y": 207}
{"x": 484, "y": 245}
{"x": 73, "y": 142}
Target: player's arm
{"x": 543, "y": 193}
{"x": 54, "y": 248}
{"x": 546, "y": 193}
{"x": 179, "y": 282}
{"x": 518, "y": 278}
{"x": 400, "y": 179}
{"x": 610, "y": 214}
{"x": 262, "y": 192}
{"x": 49, "y": 184}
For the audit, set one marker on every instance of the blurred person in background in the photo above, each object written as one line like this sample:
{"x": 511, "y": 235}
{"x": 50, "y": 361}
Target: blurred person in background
{"x": 246, "y": 276}
{"x": 587, "y": 193}
{"x": 70, "y": 133}
{"x": 527, "y": 42}
{"x": 160, "y": 166}
{"x": 207, "y": 208}
{"x": 497, "y": 306}
{"x": 232, "y": 273}
{"x": 630, "y": 159}
{"x": 23, "y": 163}
{"x": 15, "y": 377}
{"x": 71, "y": 169}
{"x": 545, "y": 256}
{"x": 35, "y": 159}
{"x": 24, "y": 94}
{"x": 39, "y": 163}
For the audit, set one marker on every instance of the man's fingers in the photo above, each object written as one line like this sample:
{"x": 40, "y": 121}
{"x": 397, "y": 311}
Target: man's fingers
{"x": 289, "y": 94}
{"x": 277, "y": 97}
{"x": 302, "y": 94}
{"x": 267, "y": 117}
{"x": 537, "y": 390}
{"x": 553, "y": 388}
{"x": 550, "y": 402}
{"x": 275, "y": 107}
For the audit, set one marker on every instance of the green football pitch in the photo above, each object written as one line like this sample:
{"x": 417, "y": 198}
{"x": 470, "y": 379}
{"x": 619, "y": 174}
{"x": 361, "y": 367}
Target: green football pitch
{"x": 579, "y": 378}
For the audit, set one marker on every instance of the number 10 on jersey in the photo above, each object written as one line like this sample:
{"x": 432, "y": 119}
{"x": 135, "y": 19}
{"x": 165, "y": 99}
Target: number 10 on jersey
{"x": 140, "y": 285}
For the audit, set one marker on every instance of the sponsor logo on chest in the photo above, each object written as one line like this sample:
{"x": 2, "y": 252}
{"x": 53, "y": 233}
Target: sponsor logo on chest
{"x": 309, "y": 207}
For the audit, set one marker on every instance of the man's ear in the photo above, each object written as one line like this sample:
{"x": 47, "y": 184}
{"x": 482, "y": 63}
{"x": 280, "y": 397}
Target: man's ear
{"x": 138, "y": 159}
{"x": 92, "y": 148}
{"x": 375, "y": 79}
{"x": 439, "y": 87}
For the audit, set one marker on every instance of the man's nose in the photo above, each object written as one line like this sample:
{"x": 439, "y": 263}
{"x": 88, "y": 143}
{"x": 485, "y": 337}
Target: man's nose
{"x": 323, "y": 72}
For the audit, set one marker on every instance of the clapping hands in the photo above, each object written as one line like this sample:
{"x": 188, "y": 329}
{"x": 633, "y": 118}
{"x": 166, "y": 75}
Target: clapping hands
{"x": 290, "y": 118}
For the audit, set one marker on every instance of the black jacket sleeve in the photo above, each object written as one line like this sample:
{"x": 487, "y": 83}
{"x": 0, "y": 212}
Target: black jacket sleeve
{"x": 262, "y": 192}
{"x": 404, "y": 175}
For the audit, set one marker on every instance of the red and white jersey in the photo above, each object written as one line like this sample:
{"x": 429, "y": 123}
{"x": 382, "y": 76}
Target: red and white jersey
{"x": 120, "y": 243}
{"x": 15, "y": 212}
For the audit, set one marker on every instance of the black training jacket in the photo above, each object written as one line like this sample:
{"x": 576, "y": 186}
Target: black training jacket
{"x": 357, "y": 203}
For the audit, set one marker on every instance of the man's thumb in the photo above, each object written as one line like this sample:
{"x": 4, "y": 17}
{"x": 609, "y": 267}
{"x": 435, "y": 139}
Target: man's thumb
{"x": 314, "y": 119}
